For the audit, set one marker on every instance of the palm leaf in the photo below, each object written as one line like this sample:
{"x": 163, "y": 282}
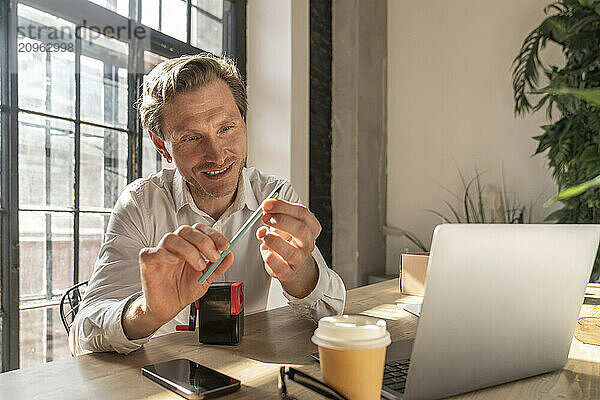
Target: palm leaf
{"x": 526, "y": 72}
{"x": 556, "y": 6}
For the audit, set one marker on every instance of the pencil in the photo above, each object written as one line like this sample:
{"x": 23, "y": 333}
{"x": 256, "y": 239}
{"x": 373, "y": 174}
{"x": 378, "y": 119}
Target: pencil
{"x": 240, "y": 233}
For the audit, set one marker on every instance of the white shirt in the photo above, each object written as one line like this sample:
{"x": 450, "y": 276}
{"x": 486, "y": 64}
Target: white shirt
{"x": 147, "y": 210}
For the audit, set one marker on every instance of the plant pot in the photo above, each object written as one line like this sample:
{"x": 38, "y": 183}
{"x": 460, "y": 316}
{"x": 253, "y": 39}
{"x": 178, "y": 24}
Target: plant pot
{"x": 413, "y": 269}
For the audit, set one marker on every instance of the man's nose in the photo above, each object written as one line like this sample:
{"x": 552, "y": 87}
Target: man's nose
{"x": 214, "y": 152}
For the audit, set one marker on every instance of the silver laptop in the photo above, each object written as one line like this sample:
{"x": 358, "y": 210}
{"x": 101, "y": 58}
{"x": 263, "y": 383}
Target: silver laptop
{"x": 501, "y": 303}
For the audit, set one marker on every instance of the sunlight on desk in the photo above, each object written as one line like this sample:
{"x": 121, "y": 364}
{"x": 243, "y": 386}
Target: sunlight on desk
{"x": 389, "y": 311}
{"x": 393, "y": 311}
{"x": 159, "y": 396}
{"x": 588, "y": 325}
{"x": 579, "y": 350}
{"x": 260, "y": 372}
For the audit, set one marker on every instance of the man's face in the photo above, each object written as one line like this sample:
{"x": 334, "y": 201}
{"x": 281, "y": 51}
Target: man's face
{"x": 206, "y": 136}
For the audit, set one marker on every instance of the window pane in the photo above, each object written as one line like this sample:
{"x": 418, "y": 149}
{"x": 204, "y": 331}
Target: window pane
{"x": 118, "y": 6}
{"x": 46, "y": 78}
{"x": 214, "y": 7}
{"x": 42, "y": 337}
{"x": 151, "y": 60}
{"x": 150, "y": 13}
{"x": 46, "y": 161}
{"x": 103, "y": 80}
{"x": 45, "y": 254}
{"x": 174, "y": 19}
{"x": 91, "y": 235}
{"x": 150, "y": 157}
{"x": 103, "y": 166}
{"x": 207, "y": 31}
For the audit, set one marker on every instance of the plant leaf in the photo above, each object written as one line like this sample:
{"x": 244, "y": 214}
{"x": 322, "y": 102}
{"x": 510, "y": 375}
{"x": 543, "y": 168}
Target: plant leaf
{"x": 527, "y": 65}
{"x": 479, "y": 197}
{"x": 587, "y": 3}
{"x": 453, "y": 211}
{"x": 574, "y": 191}
{"x": 555, "y": 215}
{"x": 439, "y": 214}
{"x": 592, "y": 96}
{"x": 409, "y": 235}
{"x": 556, "y": 27}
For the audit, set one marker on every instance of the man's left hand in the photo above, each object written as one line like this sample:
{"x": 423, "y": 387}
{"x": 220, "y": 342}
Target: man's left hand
{"x": 287, "y": 243}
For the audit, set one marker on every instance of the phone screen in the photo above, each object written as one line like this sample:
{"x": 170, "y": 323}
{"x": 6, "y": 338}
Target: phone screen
{"x": 190, "y": 379}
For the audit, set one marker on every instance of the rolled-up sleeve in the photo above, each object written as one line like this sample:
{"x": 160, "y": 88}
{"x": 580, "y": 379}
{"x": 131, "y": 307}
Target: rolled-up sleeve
{"x": 329, "y": 295}
{"x": 114, "y": 283}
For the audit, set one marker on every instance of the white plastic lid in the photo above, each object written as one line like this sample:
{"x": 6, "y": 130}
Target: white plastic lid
{"x": 351, "y": 332}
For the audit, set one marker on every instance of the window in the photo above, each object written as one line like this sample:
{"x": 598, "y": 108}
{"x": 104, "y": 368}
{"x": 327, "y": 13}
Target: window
{"x": 118, "y": 6}
{"x": 151, "y": 159}
{"x": 79, "y": 140}
{"x": 207, "y": 25}
{"x": 207, "y": 21}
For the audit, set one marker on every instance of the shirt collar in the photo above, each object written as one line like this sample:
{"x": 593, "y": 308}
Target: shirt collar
{"x": 245, "y": 191}
{"x": 244, "y": 197}
{"x": 181, "y": 192}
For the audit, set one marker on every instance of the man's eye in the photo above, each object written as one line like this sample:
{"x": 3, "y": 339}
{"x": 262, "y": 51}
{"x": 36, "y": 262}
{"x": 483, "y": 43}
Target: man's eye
{"x": 226, "y": 128}
{"x": 190, "y": 138}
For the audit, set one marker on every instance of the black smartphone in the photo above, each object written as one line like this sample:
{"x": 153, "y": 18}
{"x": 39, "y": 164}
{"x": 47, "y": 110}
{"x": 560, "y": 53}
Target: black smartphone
{"x": 191, "y": 380}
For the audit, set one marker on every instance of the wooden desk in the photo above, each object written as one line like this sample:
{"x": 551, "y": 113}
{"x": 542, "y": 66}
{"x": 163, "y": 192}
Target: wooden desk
{"x": 273, "y": 338}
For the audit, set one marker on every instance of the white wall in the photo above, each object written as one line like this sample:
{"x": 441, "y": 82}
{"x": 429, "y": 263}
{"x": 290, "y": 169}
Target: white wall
{"x": 278, "y": 89}
{"x": 450, "y": 102}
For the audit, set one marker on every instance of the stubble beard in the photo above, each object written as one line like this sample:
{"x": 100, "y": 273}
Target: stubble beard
{"x": 196, "y": 188}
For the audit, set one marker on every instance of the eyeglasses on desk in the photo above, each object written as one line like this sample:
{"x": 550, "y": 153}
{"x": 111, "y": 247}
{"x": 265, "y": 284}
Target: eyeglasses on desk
{"x": 307, "y": 381}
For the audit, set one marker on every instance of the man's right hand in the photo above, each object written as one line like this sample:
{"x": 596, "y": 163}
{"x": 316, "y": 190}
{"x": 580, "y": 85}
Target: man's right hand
{"x": 170, "y": 273}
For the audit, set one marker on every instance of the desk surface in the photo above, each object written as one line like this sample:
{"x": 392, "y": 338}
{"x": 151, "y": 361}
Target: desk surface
{"x": 273, "y": 338}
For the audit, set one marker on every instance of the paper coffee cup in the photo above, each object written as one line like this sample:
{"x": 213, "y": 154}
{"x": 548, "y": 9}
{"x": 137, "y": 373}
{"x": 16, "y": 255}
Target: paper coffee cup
{"x": 352, "y": 354}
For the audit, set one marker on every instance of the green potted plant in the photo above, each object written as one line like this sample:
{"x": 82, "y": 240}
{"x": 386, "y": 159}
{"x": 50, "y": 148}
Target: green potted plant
{"x": 571, "y": 139}
{"x": 505, "y": 209}
{"x": 502, "y": 207}
{"x": 592, "y": 96}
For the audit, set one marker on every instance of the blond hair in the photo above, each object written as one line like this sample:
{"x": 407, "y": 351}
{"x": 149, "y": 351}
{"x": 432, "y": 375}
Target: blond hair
{"x": 184, "y": 74}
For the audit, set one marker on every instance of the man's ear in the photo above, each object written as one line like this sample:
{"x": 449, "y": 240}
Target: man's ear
{"x": 160, "y": 145}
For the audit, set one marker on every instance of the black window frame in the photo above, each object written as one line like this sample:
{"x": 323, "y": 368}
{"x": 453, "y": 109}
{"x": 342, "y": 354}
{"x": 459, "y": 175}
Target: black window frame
{"x": 76, "y": 11}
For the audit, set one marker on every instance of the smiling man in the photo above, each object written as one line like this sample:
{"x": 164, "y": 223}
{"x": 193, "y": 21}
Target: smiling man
{"x": 166, "y": 229}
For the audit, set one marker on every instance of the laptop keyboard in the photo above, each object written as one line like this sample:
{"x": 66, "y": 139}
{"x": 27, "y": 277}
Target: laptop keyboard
{"x": 394, "y": 374}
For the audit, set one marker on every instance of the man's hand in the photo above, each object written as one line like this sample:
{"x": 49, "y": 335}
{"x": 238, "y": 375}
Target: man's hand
{"x": 287, "y": 245}
{"x": 170, "y": 273}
